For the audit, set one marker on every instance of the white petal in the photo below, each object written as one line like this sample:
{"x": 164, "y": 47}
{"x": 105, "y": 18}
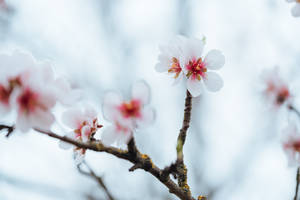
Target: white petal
{"x": 72, "y": 118}
{"x": 65, "y": 93}
{"x": 42, "y": 119}
{"x": 109, "y": 136}
{"x": 193, "y": 48}
{"x": 214, "y": 59}
{"x": 124, "y": 137}
{"x": 110, "y": 103}
{"x": 213, "y": 81}
{"x": 195, "y": 87}
{"x": 296, "y": 10}
{"x": 90, "y": 112}
{"x": 22, "y": 123}
{"x": 85, "y": 133}
{"x": 148, "y": 116}
{"x": 141, "y": 91}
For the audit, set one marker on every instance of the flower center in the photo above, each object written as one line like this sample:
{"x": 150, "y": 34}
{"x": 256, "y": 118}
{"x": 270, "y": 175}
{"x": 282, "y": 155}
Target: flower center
{"x": 283, "y": 95}
{"x": 296, "y": 146}
{"x": 196, "y": 69}
{"x": 131, "y": 109}
{"x": 28, "y": 101}
{"x": 175, "y": 67}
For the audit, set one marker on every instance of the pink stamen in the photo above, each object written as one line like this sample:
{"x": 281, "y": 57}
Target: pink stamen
{"x": 196, "y": 69}
{"x": 131, "y": 109}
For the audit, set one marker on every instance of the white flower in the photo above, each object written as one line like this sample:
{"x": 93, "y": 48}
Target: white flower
{"x": 184, "y": 56}
{"x": 83, "y": 124}
{"x": 296, "y": 9}
{"x": 34, "y": 107}
{"x": 291, "y": 144}
{"x": 126, "y": 116}
{"x": 32, "y": 89}
{"x": 275, "y": 89}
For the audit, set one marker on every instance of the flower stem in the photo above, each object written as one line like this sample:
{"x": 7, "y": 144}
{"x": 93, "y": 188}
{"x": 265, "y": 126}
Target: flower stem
{"x": 181, "y": 168}
{"x": 297, "y": 185}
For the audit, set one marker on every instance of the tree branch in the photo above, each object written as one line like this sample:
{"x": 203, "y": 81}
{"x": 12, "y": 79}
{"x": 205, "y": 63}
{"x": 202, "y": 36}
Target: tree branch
{"x": 99, "y": 180}
{"x": 132, "y": 155}
{"x": 297, "y": 185}
{"x": 9, "y": 129}
{"x": 181, "y": 169}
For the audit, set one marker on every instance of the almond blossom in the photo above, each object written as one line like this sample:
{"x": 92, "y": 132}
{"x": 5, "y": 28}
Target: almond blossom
{"x": 126, "y": 115}
{"x": 183, "y": 57}
{"x": 275, "y": 90}
{"x": 84, "y": 124}
{"x": 296, "y": 9}
{"x": 291, "y": 144}
{"x": 31, "y": 89}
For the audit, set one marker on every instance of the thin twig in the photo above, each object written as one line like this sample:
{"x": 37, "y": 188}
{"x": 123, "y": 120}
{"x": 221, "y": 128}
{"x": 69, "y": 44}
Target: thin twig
{"x": 181, "y": 169}
{"x": 292, "y": 108}
{"x": 9, "y": 129}
{"x": 99, "y": 180}
{"x": 132, "y": 155}
{"x": 297, "y": 185}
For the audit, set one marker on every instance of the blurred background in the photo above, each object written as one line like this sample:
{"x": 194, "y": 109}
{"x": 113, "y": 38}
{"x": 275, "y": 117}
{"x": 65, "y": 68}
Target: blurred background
{"x": 233, "y": 148}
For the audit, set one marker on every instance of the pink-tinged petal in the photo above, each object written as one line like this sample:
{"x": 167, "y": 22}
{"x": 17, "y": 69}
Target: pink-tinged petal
{"x": 214, "y": 60}
{"x": 65, "y": 93}
{"x": 73, "y": 118}
{"x": 78, "y": 156}
{"x": 161, "y": 67}
{"x": 42, "y": 119}
{"x": 195, "y": 87}
{"x": 193, "y": 48}
{"x": 85, "y": 133}
{"x": 141, "y": 91}
{"x": 109, "y": 135}
{"x": 110, "y": 103}
{"x": 213, "y": 81}
{"x": 147, "y": 118}
{"x": 124, "y": 138}
{"x": 22, "y": 123}
{"x": 90, "y": 112}
{"x": 296, "y": 10}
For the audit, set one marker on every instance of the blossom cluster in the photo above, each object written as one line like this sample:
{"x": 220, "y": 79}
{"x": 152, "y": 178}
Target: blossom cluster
{"x": 31, "y": 90}
{"x": 182, "y": 58}
{"x": 278, "y": 93}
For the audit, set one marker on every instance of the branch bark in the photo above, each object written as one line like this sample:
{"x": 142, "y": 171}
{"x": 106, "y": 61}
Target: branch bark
{"x": 99, "y": 180}
{"x": 132, "y": 155}
{"x": 297, "y": 184}
{"x": 181, "y": 168}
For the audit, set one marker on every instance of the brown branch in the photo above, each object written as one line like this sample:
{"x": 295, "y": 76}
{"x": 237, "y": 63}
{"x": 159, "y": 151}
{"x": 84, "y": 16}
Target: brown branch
{"x": 292, "y": 108}
{"x": 99, "y": 180}
{"x": 132, "y": 155}
{"x": 181, "y": 168}
{"x": 297, "y": 185}
{"x": 9, "y": 129}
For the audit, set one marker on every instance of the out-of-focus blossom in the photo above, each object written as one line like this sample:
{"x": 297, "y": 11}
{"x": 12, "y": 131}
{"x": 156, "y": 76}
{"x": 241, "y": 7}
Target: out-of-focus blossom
{"x": 296, "y": 9}
{"x": 276, "y": 90}
{"x": 291, "y": 144}
{"x": 126, "y": 115}
{"x": 183, "y": 56}
{"x": 84, "y": 125}
{"x": 30, "y": 88}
